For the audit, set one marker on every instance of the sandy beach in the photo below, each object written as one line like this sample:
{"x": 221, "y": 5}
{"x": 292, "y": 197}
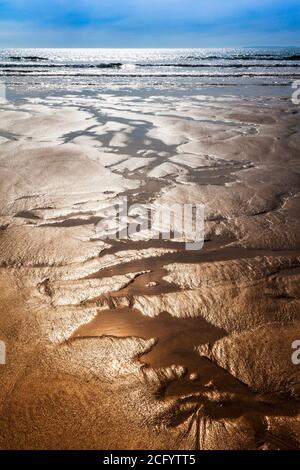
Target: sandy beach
{"x": 115, "y": 344}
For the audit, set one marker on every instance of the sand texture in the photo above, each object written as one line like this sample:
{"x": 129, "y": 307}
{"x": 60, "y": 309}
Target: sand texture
{"x": 115, "y": 344}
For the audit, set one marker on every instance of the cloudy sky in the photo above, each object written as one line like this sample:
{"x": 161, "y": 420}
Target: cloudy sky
{"x": 149, "y": 23}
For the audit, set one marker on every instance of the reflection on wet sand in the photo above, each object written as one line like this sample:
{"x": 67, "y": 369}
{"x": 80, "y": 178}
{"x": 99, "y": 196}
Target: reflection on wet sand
{"x": 176, "y": 338}
{"x": 143, "y": 344}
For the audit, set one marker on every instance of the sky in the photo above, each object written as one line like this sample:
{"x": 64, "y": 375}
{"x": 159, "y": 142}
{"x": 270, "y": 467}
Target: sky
{"x": 149, "y": 23}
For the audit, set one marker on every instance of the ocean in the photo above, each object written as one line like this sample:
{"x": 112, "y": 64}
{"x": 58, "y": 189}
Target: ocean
{"x": 161, "y": 68}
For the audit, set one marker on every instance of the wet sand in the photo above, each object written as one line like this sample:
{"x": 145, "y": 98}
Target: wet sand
{"x": 144, "y": 344}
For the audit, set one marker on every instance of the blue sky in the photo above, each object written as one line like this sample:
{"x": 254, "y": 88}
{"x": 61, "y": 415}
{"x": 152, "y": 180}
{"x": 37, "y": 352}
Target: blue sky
{"x": 149, "y": 23}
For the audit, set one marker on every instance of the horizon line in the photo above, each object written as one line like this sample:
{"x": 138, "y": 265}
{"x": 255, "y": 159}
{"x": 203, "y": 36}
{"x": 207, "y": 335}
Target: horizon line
{"x": 159, "y": 47}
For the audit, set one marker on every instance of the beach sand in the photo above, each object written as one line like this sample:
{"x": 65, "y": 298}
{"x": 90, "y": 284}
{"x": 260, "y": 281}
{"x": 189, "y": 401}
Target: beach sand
{"x": 144, "y": 344}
